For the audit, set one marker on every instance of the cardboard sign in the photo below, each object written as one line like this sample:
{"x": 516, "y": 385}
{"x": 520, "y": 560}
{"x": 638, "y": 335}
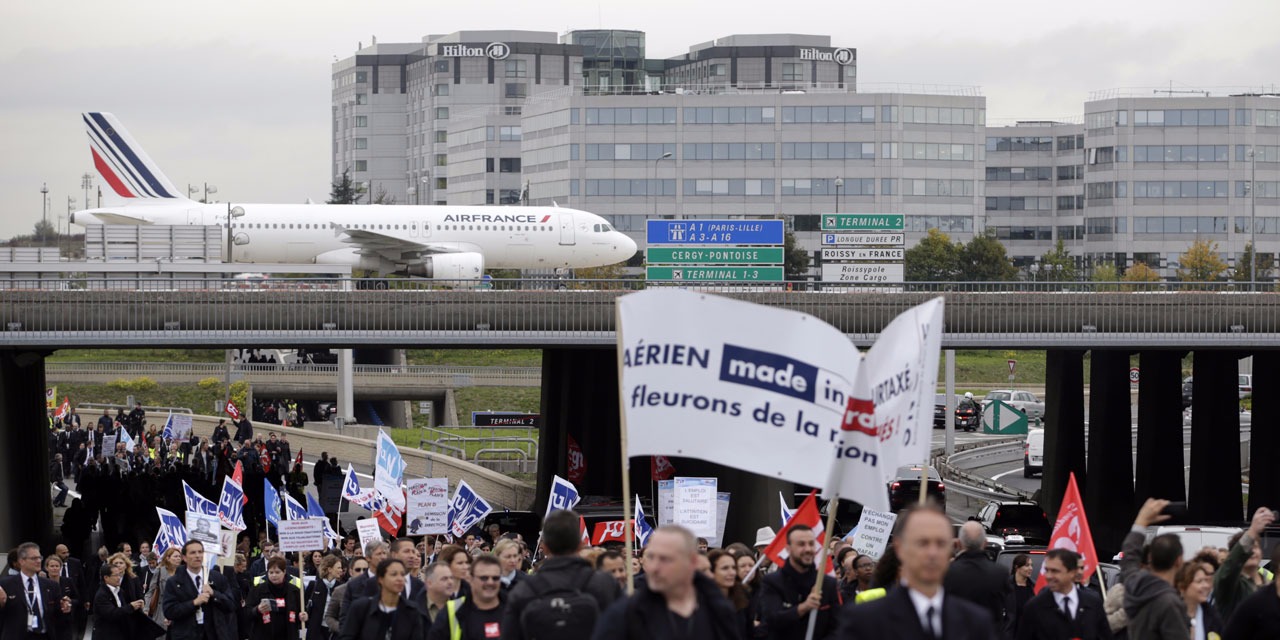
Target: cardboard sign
{"x": 369, "y": 531}
{"x": 301, "y": 534}
{"x": 695, "y": 507}
{"x": 666, "y": 502}
{"x": 722, "y": 512}
{"x": 873, "y": 532}
{"x": 428, "y": 500}
{"x": 205, "y": 528}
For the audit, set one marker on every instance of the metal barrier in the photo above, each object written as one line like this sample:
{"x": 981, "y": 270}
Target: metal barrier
{"x": 104, "y": 405}
{"x": 456, "y": 376}
{"x": 454, "y": 443}
{"x": 528, "y": 313}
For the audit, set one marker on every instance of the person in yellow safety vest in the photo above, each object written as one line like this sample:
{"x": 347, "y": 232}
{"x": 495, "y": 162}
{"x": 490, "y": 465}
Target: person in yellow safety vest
{"x": 293, "y": 580}
{"x": 479, "y": 616}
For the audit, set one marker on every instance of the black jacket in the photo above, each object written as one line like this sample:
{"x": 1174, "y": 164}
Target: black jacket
{"x": 1041, "y": 619}
{"x": 783, "y": 590}
{"x": 894, "y": 616}
{"x": 179, "y": 607}
{"x": 411, "y": 624}
{"x": 112, "y": 621}
{"x": 314, "y": 600}
{"x": 564, "y": 571}
{"x": 260, "y": 630}
{"x": 1256, "y": 617}
{"x": 13, "y": 616}
{"x": 633, "y": 618}
{"x": 974, "y": 577}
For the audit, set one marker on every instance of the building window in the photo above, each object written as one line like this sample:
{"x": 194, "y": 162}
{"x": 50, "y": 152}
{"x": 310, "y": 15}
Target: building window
{"x": 937, "y": 188}
{"x": 942, "y": 115}
{"x": 509, "y": 165}
{"x": 361, "y": 143}
{"x": 441, "y": 66}
{"x": 728, "y": 115}
{"x": 716, "y": 151}
{"x": 888, "y": 114}
{"x": 509, "y": 196}
{"x": 937, "y": 151}
{"x": 441, "y": 136}
{"x": 362, "y": 165}
{"x": 949, "y": 224}
{"x": 442, "y": 90}
{"x": 1020, "y": 143}
{"x": 828, "y": 150}
{"x": 718, "y": 70}
{"x": 516, "y": 90}
{"x": 1180, "y": 118}
{"x": 488, "y": 196}
{"x": 733, "y": 187}
{"x": 888, "y": 186}
{"x": 488, "y": 165}
{"x": 362, "y": 121}
{"x": 1028, "y": 203}
{"x": 827, "y": 187}
{"x": 442, "y": 159}
{"x": 509, "y": 134}
{"x": 514, "y": 110}
{"x": 1180, "y": 189}
{"x": 442, "y": 183}
{"x": 442, "y": 113}
{"x": 792, "y": 72}
{"x": 362, "y": 77}
{"x": 517, "y": 68}
{"x": 362, "y": 98}
{"x": 1019, "y": 174}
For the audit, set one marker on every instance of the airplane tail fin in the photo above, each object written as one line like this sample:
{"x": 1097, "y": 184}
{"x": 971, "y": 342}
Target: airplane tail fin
{"x": 122, "y": 163}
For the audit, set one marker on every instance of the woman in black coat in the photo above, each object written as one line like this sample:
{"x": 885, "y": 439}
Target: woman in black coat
{"x": 367, "y": 621}
{"x": 275, "y": 605}
{"x": 53, "y": 571}
{"x": 318, "y": 594}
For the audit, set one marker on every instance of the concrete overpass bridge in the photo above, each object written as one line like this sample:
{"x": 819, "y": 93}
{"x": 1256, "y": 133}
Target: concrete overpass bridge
{"x": 575, "y": 328}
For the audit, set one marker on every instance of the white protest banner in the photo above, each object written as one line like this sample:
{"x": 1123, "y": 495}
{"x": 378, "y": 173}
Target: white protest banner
{"x": 228, "y": 550}
{"x": 369, "y": 531}
{"x": 696, "y": 505}
{"x": 428, "y": 506}
{"x": 666, "y": 502}
{"x": 301, "y": 534}
{"x": 205, "y": 528}
{"x": 722, "y": 512}
{"x": 388, "y": 471}
{"x": 756, "y": 388}
{"x": 179, "y": 425}
{"x": 109, "y": 445}
{"x": 873, "y": 532}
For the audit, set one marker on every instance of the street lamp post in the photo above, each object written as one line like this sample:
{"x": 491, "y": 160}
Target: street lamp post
{"x": 208, "y": 189}
{"x": 839, "y": 185}
{"x": 413, "y": 193}
{"x": 655, "y": 179}
{"x": 192, "y": 190}
{"x": 44, "y": 213}
{"x": 86, "y": 183}
{"x": 426, "y": 184}
{"x": 368, "y": 196}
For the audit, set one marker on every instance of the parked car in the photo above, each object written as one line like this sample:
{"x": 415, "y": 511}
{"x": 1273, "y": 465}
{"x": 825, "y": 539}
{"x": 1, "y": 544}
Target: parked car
{"x": 1016, "y": 518}
{"x": 1033, "y": 453}
{"x": 905, "y": 488}
{"x": 1244, "y": 387}
{"x": 1023, "y": 401}
{"x": 967, "y": 415}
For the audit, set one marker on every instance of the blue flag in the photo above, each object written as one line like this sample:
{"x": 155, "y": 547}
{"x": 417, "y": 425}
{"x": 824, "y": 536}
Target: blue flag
{"x": 563, "y": 496}
{"x": 167, "y": 434}
{"x": 271, "y": 500}
{"x": 231, "y": 505}
{"x": 643, "y": 528}
{"x": 314, "y": 511}
{"x": 466, "y": 510}
{"x": 292, "y": 509}
{"x": 197, "y": 503}
{"x": 128, "y": 440}
{"x": 172, "y": 533}
{"x": 786, "y": 513}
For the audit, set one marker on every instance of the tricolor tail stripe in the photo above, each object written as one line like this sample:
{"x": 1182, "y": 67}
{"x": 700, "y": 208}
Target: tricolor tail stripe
{"x": 110, "y": 176}
{"x": 131, "y": 166}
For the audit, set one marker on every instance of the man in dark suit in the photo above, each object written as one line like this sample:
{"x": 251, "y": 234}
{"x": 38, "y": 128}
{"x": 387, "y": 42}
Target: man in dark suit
{"x": 1063, "y": 610}
{"x": 366, "y": 585}
{"x": 974, "y": 577}
{"x": 198, "y": 607}
{"x": 920, "y": 608}
{"x": 31, "y": 607}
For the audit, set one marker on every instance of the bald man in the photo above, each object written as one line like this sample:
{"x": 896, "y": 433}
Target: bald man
{"x": 975, "y": 577}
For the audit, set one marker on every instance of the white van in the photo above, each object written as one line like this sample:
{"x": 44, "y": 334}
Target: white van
{"x": 1194, "y": 538}
{"x": 1033, "y": 453}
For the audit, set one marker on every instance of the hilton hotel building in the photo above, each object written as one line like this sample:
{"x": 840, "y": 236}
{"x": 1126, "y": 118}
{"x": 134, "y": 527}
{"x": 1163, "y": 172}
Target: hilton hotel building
{"x": 774, "y": 125}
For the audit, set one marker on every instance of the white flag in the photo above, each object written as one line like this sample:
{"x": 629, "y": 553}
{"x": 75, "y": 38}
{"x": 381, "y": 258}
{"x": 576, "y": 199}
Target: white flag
{"x": 751, "y": 387}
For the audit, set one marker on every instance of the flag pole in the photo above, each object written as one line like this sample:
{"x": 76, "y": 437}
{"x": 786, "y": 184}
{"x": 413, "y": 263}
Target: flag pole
{"x": 924, "y": 483}
{"x": 628, "y": 534}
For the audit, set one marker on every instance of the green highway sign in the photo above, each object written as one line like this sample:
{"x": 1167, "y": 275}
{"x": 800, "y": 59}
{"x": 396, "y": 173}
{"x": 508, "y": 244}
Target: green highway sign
{"x": 714, "y": 274}
{"x": 1001, "y": 418}
{"x": 863, "y": 222}
{"x": 714, "y": 255}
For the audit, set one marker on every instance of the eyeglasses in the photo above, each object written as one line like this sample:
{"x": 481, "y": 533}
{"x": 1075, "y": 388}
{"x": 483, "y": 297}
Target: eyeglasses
{"x": 360, "y": 570}
{"x": 488, "y": 578}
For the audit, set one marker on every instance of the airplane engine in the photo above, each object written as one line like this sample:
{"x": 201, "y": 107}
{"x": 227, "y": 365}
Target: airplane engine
{"x": 448, "y": 266}
{"x": 357, "y": 261}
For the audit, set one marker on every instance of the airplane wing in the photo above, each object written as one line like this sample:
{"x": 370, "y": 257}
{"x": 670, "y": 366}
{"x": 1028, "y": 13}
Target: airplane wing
{"x": 118, "y": 218}
{"x": 398, "y": 249}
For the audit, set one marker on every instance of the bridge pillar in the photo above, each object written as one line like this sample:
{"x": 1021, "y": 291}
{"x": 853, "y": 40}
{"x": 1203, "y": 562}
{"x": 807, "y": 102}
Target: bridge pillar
{"x": 1108, "y": 496}
{"x": 1214, "y": 492}
{"x": 1264, "y": 440}
{"x": 1063, "y": 426}
{"x": 580, "y": 399}
{"x": 25, "y": 500}
{"x": 1160, "y": 461}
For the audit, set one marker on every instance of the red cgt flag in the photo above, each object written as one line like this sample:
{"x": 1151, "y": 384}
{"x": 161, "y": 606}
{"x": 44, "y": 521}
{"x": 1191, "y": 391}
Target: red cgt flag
{"x": 582, "y": 529}
{"x": 232, "y": 410}
{"x": 237, "y": 475}
{"x": 660, "y": 468}
{"x": 807, "y": 514}
{"x": 577, "y": 471}
{"x": 1071, "y": 531}
{"x": 610, "y": 531}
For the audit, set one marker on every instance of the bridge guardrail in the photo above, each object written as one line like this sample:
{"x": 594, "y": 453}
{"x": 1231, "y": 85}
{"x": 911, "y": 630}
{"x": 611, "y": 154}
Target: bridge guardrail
{"x": 972, "y": 486}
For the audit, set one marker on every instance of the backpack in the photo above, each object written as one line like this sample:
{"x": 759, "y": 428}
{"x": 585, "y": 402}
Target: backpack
{"x": 559, "y": 612}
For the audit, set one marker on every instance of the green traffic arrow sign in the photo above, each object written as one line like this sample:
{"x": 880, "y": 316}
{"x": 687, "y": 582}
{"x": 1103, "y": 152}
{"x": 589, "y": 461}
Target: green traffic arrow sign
{"x": 863, "y": 221}
{"x": 1003, "y": 419}
{"x": 714, "y": 255}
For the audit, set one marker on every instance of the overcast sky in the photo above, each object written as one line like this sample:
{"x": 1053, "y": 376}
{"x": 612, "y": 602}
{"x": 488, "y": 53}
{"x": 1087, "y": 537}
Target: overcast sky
{"x": 236, "y": 93}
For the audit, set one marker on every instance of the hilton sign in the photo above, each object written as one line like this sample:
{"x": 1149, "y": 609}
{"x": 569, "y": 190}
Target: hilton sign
{"x": 495, "y": 50}
{"x": 838, "y": 56}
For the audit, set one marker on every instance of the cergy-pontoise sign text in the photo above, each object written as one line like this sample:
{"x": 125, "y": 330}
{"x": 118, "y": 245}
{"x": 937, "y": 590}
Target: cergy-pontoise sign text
{"x": 838, "y": 56}
{"x": 495, "y": 50}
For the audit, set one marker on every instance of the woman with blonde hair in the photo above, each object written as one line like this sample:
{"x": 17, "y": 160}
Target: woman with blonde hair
{"x": 170, "y": 562}
{"x": 508, "y": 553}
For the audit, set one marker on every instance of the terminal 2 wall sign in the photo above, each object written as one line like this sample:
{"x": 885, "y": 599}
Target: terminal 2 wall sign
{"x": 863, "y": 248}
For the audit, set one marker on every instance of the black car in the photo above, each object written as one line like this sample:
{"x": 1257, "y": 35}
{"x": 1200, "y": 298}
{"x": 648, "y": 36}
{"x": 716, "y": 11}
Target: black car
{"x": 905, "y": 488}
{"x": 1012, "y": 518}
{"x": 968, "y": 417}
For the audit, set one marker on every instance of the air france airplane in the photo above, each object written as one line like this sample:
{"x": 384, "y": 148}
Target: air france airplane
{"x": 445, "y": 242}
